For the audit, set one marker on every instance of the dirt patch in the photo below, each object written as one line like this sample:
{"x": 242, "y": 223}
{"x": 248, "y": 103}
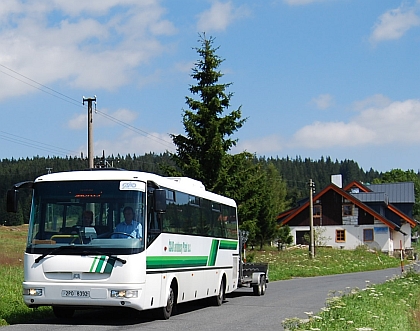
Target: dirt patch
{"x": 12, "y": 242}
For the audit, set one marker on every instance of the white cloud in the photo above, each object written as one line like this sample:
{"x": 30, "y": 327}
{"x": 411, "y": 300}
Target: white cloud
{"x": 376, "y": 101}
{"x": 300, "y": 2}
{"x": 78, "y": 122}
{"x": 97, "y": 7}
{"x": 130, "y": 139}
{"x": 103, "y": 119}
{"x": 395, "y": 122}
{"x": 323, "y": 101}
{"x": 53, "y": 41}
{"x": 131, "y": 142}
{"x": 378, "y": 122}
{"x": 264, "y": 145}
{"x": 330, "y": 134}
{"x": 184, "y": 67}
{"x": 394, "y": 24}
{"x": 219, "y": 16}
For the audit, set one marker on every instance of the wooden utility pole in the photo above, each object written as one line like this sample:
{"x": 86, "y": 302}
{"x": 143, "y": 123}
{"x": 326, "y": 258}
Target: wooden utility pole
{"x": 311, "y": 219}
{"x": 90, "y": 129}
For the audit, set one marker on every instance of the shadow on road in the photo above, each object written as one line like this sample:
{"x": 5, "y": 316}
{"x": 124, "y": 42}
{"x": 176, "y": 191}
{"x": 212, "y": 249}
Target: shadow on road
{"x": 122, "y": 316}
{"x": 127, "y": 316}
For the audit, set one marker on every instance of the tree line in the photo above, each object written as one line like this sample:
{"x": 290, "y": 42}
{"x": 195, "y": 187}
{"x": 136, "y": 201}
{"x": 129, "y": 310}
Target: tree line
{"x": 290, "y": 175}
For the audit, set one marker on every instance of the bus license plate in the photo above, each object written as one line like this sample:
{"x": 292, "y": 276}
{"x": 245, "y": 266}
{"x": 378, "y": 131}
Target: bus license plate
{"x": 75, "y": 293}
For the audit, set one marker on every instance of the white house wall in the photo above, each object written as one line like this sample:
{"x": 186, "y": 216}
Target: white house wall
{"x": 405, "y": 240}
{"x": 354, "y": 236}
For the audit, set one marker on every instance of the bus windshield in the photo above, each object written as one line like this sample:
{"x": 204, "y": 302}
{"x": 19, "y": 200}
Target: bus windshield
{"x": 86, "y": 216}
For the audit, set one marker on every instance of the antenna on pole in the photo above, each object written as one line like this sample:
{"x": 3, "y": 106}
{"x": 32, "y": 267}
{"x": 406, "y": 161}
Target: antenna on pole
{"x": 90, "y": 129}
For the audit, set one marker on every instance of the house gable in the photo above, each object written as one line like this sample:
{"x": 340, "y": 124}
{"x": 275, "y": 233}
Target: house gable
{"x": 332, "y": 199}
{"x": 356, "y": 187}
{"x": 401, "y": 215}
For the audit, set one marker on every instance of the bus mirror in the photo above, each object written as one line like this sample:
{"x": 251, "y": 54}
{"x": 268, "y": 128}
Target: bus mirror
{"x": 12, "y": 200}
{"x": 159, "y": 196}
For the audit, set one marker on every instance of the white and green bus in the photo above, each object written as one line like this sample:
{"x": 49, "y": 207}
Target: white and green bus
{"x": 188, "y": 247}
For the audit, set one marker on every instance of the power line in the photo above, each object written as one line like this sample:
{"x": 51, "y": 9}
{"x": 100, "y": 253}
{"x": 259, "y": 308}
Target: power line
{"x": 137, "y": 130}
{"x": 63, "y": 97}
{"x": 57, "y": 94}
{"x": 35, "y": 144}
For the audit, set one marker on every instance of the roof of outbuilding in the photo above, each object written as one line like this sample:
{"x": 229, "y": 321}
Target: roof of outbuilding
{"x": 396, "y": 192}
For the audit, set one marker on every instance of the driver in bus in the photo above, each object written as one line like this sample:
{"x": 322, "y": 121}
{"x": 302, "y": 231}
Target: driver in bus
{"x": 129, "y": 228}
{"x": 87, "y": 218}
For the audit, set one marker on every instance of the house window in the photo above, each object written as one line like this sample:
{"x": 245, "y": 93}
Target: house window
{"x": 340, "y": 236}
{"x": 367, "y": 234}
{"x": 317, "y": 211}
{"x": 348, "y": 210}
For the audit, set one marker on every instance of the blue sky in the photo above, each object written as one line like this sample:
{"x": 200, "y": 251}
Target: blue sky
{"x": 337, "y": 78}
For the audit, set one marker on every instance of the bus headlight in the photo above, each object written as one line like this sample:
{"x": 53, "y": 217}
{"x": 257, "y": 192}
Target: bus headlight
{"x": 33, "y": 292}
{"x": 124, "y": 294}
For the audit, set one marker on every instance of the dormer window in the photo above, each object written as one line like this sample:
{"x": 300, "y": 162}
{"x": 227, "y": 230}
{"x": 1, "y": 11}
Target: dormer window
{"x": 348, "y": 210}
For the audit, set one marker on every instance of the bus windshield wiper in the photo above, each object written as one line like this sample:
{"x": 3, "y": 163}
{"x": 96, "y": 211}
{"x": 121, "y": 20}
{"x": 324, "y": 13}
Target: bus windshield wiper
{"x": 101, "y": 253}
{"x": 52, "y": 251}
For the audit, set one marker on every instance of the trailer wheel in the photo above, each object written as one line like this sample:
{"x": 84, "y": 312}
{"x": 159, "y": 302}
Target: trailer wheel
{"x": 259, "y": 289}
{"x": 63, "y": 312}
{"x": 256, "y": 289}
{"x": 263, "y": 284}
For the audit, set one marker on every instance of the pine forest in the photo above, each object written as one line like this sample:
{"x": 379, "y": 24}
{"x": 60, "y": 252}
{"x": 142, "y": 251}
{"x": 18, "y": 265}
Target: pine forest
{"x": 295, "y": 173}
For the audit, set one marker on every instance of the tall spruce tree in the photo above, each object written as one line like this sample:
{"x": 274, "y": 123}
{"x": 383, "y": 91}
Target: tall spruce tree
{"x": 202, "y": 152}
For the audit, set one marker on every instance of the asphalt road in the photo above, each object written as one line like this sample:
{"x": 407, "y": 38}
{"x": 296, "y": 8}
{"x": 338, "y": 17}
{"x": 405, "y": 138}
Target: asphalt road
{"x": 241, "y": 310}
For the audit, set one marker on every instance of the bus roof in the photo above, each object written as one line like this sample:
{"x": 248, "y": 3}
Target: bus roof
{"x": 182, "y": 184}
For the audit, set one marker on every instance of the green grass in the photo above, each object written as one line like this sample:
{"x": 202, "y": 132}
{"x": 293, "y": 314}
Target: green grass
{"x": 393, "y": 305}
{"x": 295, "y": 262}
{"x": 283, "y": 265}
{"x": 12, "y": 308}
{"x": 12, "y": 243}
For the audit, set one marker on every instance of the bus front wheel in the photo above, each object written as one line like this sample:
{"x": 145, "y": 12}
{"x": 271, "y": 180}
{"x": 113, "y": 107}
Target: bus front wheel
{"x": 166, "y": 311}
{"x": 218, "y": 299}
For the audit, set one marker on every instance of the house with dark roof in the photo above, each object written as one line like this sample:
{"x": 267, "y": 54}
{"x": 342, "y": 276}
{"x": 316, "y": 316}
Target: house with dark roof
{"x": 379, "y": 216}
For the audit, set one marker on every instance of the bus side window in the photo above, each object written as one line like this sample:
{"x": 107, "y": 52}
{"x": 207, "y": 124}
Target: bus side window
{"x": 154, "y": 220}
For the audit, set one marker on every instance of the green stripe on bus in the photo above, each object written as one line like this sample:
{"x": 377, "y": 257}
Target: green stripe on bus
{"x": 159, "y": 262}
{"x": 102, "y": 264}
{"x": 94, "y": 263}
{"x": 213, "y": 252}
{"x": 228, "y": 244}
{"x": 109, "y": 265}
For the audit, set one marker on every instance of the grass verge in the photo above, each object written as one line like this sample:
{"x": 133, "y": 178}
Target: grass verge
{"x": 328, "y": 261}
{"x": 392, "y": 305}
{"x": 12, "y": 308}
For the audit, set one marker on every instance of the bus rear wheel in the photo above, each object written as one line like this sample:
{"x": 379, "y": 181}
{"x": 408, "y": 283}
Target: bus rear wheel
{"x": 63, "y": 312}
